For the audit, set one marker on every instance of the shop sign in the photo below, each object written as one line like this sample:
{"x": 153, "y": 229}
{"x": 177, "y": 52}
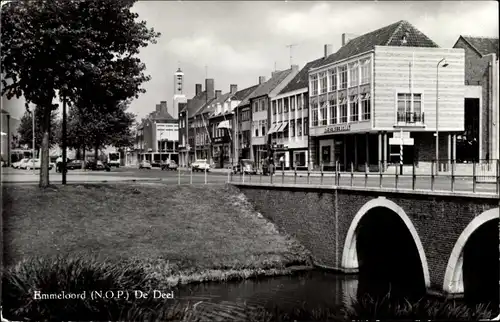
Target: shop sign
{"x": 222, "y": 139}
{"x": 338, "y": 128}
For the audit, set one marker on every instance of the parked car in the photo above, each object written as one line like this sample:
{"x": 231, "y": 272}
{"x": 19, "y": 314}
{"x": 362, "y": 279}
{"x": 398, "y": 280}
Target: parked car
{"x": 74, "y": 164}
{"x": 200, "y": 165}
{"x": 34, "y": 164}
{"x": 246, "y": 166}
{"x": 97, "y": 166}
{"x": 169, "y": 165}
{"x": 145, "y": 165}
{"x": 17, "y": 165}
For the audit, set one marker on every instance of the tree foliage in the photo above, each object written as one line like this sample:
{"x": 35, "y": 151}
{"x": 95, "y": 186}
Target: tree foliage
{"x": 25, "y": 130}
{"x": 83, "y": 50}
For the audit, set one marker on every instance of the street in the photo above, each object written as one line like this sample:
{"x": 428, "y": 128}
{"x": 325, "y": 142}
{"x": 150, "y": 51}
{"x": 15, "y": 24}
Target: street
{"x": 184, "y": 176}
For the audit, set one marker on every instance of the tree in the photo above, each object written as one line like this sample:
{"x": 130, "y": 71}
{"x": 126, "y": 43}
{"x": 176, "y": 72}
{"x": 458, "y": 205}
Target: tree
{"x": 63, "y": 46}
{"x": 25, "y": 129}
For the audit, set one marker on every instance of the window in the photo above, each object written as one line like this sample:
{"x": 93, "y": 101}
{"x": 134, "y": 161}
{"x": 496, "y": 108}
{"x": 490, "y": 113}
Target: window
{"x": 332, "y": 73}
{"x": 261, "y": 105}
{"x": 286, "y": 131}
{"x": 300, "y": 102}
{"x": 314, "y": 113}
{"x": 343, "y": 110}
{"x": 255, "y": 106}
{"x": 365, "y": 106}
{"x": 322, "y": 111}
{"x": 280, "y": 106}
{"x": 274, "y": 107}
{"x": 343, "y": 77}
{"x": 354, "y": 108}
{"x": 322, "y": 82}
{"x": 353, "y": 75}
{"x": 292, "y": 103}
{"x": 285, "y": 105}
{"x": 299, "y": 127}
{"x": 256, "y": 127}
{"x": 314, "y": 84}
{"x": 405, "y": 112}
{"x": 292, "y": 128}
{"x": 365, "y": 72}
{"x": 306, "y": 126}
{"x": 263, "y": 127}
{"x": 333, "y": 111}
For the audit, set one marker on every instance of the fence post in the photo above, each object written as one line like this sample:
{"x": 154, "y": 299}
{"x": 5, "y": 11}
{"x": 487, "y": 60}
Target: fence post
{"x": 396, "y": 178}
{"x": 308, "y": 173}
{"x": 229, "y": 176}
{"x": 380, "y": 173}
{"x": 205, "y": 175}
{"x": 282, "y": 173}
{"x": 366, "y": 174}
{"x": 178, "y": 176}
{"x": 352, "y": 173}
{"x": 260, "y": 176}
{"x": 433, "y": 164}
{"x": 336, "y": 173}
{"x": 243, "y": 175}
{"x": 452, "y": 175}
{"x": 413, "y": 176}
{"x": 191, "y": 176}
{"x": 322, "y": 173}
{"x": 473, "y": 176}
{"x": 295, "y": 174}
{"x": 271, "y": 174}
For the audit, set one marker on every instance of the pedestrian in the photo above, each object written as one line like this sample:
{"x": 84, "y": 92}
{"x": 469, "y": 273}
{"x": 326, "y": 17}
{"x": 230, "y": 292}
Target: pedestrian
{"x": 59, "y": 163}
{"x": 282, "y": 162}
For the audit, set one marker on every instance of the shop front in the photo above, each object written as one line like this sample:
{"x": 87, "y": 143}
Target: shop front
{"x": 221, "y": 152}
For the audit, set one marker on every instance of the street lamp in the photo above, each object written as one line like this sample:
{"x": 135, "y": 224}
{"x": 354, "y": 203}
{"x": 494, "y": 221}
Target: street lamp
{"x": 437, "y": 110}
{"x": 161, "y": 147}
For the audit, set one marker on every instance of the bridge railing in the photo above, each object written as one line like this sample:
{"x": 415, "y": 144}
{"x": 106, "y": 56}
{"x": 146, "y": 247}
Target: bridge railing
{"x": 446, "y": 175}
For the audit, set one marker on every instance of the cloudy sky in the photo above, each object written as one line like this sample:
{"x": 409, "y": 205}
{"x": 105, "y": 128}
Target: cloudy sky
{"x": 235, "y": 42}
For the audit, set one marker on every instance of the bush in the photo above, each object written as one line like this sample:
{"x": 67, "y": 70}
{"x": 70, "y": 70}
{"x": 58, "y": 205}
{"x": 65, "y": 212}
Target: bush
{"x": 73, "y": 276}
{"x": 387, "y": 308}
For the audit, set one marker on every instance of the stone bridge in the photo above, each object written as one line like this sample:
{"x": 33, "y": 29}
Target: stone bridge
{"x": 327, "y": 221}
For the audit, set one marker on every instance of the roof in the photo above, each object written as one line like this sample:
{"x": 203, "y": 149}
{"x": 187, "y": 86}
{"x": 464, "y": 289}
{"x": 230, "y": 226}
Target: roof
{"x": 483, "y": 45}
{"x": 210, "y": 108}
{"x": 161, "y": 116}
{"x": 193, "y": 105}
{"x": 201, "y": 109}
{"x": 390, "y": 35}
{"x": 244, "y": 93}
{"x": 267, "y": 87}
{"x": 301, "y": 80}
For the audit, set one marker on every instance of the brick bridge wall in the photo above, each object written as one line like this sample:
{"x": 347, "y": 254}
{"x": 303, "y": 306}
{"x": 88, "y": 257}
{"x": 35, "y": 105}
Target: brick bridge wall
{"x": 320, "y": 217}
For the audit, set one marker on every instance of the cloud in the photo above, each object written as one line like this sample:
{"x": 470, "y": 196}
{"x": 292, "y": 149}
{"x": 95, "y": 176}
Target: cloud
{"x": 207, "y": 50}
{"x": 320, "y": 20}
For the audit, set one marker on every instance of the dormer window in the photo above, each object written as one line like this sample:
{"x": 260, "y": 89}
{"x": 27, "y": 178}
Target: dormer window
{"x": 404, "y": 40}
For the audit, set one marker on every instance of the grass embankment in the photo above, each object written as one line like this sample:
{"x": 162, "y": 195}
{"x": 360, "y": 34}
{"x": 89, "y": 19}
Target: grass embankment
{"x": 157, "y": 236}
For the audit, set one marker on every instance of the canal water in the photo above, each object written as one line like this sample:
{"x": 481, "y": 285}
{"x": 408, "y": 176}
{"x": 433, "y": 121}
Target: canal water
{"x": 308, "y": 290}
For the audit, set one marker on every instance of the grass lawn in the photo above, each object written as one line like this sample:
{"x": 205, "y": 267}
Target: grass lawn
{"x": 182, "y": 233}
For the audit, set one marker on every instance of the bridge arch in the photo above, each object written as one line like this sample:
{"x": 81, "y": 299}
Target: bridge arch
{"x": 453, "y": 277}
{"x": 349, "y": 253}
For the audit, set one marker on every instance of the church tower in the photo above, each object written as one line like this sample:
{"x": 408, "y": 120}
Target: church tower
{"x": 179, "y": 96}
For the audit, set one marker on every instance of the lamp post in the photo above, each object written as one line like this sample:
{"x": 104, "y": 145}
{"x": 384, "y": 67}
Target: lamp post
{"x": 161, "y": 147}
{"x": 33, "y": 128}
{"x": 7, "y": 114}
{"x": 443, "y": 60}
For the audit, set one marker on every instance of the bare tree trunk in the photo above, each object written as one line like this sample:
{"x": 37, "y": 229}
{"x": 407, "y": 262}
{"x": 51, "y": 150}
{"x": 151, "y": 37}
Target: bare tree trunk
{"x": 96, "y": 151}
{"x": 44, "y": 158}
{"x": 84, "y": 157}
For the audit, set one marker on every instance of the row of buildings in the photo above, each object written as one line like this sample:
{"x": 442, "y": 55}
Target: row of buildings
{"x": 379, "y": 91}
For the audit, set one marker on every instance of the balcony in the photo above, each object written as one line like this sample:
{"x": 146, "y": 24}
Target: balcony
{"x": 410, "y": 118}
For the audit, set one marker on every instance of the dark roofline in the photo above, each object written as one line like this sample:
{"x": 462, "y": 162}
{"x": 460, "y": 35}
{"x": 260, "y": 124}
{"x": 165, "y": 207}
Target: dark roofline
{"x": 464, "y": 37}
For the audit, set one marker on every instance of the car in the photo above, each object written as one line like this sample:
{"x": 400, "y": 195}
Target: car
{"x": 200, "y": 165}
{"x": 74, "y": 164}
{"x": 17, "y": 165}
{"x": 145, "y": 165}
{"x": 169, "y": 165}
{"x": 34, "y": 164}
{"x": 97, "y": 166}
{"x": 246, "y": 166}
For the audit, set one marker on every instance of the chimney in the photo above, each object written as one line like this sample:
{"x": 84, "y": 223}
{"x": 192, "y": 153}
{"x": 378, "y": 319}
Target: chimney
{"x": 233, "y": 88}
{"x": 262, "y": 79}
{"x": 295, "y": 68}
{"x": 347, "y": 37}
{"x": 197, "y": 89}
{"x": 218, "y": 93}
{"x": 210, "y": 88}
{"x": 163, "y": 106}
{"x": 329, "y": 49}
{"x": 158, "y": 108}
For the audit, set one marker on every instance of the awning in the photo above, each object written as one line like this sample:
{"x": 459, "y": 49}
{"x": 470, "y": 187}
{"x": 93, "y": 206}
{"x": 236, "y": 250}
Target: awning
{"x": 273, "y": 128}
{"x": 282, "y": 127}
{"x": 224, "y": 125}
